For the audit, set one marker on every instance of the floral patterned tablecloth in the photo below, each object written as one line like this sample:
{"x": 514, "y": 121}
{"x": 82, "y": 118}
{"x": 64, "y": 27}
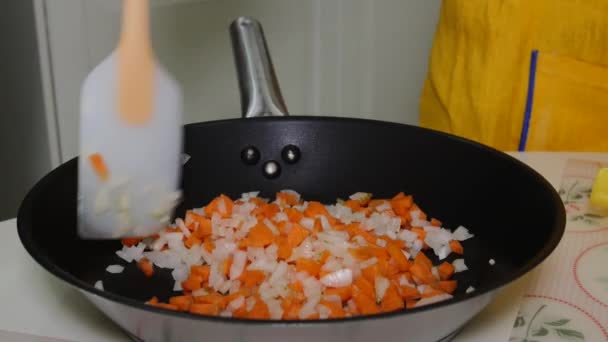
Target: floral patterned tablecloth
{"x": 568, "y": 295}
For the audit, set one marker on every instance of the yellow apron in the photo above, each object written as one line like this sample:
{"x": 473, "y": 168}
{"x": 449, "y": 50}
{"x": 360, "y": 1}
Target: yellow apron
{"x": 515, "y": 74}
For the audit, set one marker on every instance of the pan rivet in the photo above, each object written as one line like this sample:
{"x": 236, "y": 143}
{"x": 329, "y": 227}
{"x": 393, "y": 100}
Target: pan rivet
{"x": 291, "y": 154}
{"x": 271, "y": 169}
{"x": 250, "y": 155}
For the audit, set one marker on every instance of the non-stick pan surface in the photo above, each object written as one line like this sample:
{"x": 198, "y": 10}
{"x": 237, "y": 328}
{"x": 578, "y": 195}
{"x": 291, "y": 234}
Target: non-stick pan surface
{"x": 515, "y": 214}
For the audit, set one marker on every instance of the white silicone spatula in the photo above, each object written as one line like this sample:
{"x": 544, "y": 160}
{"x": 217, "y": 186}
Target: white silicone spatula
{"x": 130, "y": 138}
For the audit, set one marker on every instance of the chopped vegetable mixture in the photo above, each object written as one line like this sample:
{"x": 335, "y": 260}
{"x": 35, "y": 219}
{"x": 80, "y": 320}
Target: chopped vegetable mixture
{"x": 293, "y": 259}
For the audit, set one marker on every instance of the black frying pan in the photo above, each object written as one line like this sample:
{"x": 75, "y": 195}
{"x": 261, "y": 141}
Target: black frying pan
{"x": 515, "y": 214}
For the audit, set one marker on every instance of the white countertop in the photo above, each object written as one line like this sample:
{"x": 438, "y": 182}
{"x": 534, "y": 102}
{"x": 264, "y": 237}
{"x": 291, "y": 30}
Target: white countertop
{"x": 37, "y": 307}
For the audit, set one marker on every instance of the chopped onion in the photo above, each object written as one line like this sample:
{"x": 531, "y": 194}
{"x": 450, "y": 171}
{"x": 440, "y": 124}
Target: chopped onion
{"x": 324, "y": 311}
{"x": 182, "y": 226}
{"x": 236, "y": 303}
{"x": 274, "y": 308}
{"x": 470, "y": 289}
{"x": 129, "y": 254}
{"x": 114, "y": 269}
{"x": 384, "y": 206}
{"x": 459, "y": 265}
{"x": 435, "y": 272}
{"x": 339, "y": 278}
{"x": 332, "y": 298}
{"x": 271, "y": 226}
{"x": 248, "y": 195}
{"x": 369, "y": 262}
{"x": 461, "y": 234}
{"x": 249, "y": 303}
{"x": 307, "y": 223}
{"x": 407, "y": 235}
{"x": 238, "y": 264}
{"x": 381, "y": 284}
{"x": 360, "y": 196}
{"x": 99, "y": 285}
{"x": 200, "y": 292}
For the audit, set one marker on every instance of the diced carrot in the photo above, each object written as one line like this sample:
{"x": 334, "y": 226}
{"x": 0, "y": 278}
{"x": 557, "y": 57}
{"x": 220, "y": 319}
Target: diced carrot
{"x": 291, "y": 309}
{"x": 309, "y": 266}
{"x": 204, "y": 226}
{"x": 423, "y": 273}
{"x": 258, "y": 201}
{"x": 456, "y": 247}
{"x": 192, "y": 240}
{"x": 293, "y": 215}
{"x": 365, "y": 286}
{"x": 99, "y": 166}
{"x": 392, "y": 300}
{"x": 410, "y": 303}
{"x": 345, "y": 292}
{"x": 287, "y": 198}
{"x": 209, "y": 245}
{"x": 401, "y": 206}
{"x": 216, "y": 206}
{"x": 422, "y": 259}
{"x": 365, "y": 304}
{"x": 259, "y": 310}
{"x": 387, "y": 268}
{"x": 202, "y": 270}
{"x": 251, "y": 278}
{"x": 366, "y": 252}
{"x": 130, "y": 242}
{"x": 446, "y": 270}
{"x": 315, "y": 208}
{"x": 448, "y": 286}
{"x": 260, "y": 236}
{"x": 375, "y": 203}
{"x": 353, "y": 205}
{"x": 212, "y": 298}
{"x": 409, "y": 292}
{"x": 153, "y": 300}
{"x": 335, "y": 308}
{"x": 296, "y": 235}
{"x": 182, "y": 302}
{"x": 436, "y": 222}
{"x": 397, "y": 254}
{"x": 193, "y": 282}
{"x": 241, "y": 312}
{"x": 370, "y": 273}
{"x": 146, "y": 267}
{"x": 267, "y": 210}
{"x": 204, "y": 309}
{"x": 284, "y": 251}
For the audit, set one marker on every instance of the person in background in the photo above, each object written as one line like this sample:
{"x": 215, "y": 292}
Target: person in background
{"x": 524, "y": 75}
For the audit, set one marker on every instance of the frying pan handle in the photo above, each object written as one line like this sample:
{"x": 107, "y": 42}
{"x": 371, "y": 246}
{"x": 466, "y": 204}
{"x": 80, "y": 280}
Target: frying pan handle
{"x": 258, "y": 85}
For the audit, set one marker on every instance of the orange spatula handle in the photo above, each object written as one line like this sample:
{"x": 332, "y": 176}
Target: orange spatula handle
{"x": 135, "y": 64}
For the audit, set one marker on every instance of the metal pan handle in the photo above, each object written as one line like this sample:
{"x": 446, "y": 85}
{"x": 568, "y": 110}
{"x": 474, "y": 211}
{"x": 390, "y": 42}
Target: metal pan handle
{"x": 258, "y": 85}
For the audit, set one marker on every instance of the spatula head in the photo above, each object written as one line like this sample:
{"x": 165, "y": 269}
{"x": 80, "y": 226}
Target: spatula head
{"x": 128, "y": 174}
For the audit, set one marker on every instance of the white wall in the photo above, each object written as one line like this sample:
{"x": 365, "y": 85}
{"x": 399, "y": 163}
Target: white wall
{"x": 24, "y": 148}
{"x": 361, "y": 58}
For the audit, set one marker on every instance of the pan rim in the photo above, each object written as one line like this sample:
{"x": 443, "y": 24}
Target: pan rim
{"x": 25, "y": 212}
